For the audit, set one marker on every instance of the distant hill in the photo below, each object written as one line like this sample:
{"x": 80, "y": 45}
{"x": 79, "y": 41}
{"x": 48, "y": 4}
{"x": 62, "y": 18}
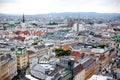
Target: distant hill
{"x": 85, "y": 15}
{"x": 76, "y": 14}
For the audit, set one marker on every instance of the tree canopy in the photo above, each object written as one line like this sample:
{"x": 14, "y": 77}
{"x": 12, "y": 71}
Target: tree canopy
{"x": 61, "y": 52}
{"x": 100, "y": 46}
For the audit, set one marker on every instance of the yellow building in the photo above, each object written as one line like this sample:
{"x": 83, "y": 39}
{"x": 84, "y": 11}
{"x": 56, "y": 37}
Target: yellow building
{"x": 4, "y": 71}
{"x": 85, "y": 68}
{"x": 12, "y": 69}
{"x": 8, "y": 68}
{"x": 89, "y": 66}
{"x": 115, "y": 44}
{"x": 22, "y": 58}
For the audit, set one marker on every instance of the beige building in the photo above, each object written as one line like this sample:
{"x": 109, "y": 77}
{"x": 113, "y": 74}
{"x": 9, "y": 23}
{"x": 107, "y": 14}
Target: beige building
{"x": 100, "y": 77}
{"x": 79, "y": 72}
{"x": 8, "y": 68}
{"x": 12, "y": 69}
{"x": 22, "y": 58}
{"x": 115, "y": 44}
{"x": 34, "y": 53}
{"x": 89, "y": 66}
{"x": 103, "y": 56}
{"x": 4, "y": 70}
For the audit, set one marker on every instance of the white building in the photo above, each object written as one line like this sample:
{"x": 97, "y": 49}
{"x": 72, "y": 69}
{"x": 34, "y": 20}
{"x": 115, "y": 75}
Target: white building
{"x": 81, "y": 27}
{"x": 100, "y": 77}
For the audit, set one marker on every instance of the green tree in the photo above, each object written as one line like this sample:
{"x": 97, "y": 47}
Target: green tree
{"x": 61, "y": 52}
{"x": 100, "y": 46}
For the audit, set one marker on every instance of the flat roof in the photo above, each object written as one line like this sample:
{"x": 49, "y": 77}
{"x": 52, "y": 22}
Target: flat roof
{"x": 30, "y": 77}
{"x": 39, "y": 66}
{"x": 96, "y": 50}
{"x": 100, "y": 77}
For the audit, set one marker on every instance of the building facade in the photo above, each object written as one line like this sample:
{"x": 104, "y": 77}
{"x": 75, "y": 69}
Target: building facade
{"x": 8, "y": 67}
{"x": 79, "y": 72}
{"x": 22, "y": 58}
{"x": 89, "y": 66}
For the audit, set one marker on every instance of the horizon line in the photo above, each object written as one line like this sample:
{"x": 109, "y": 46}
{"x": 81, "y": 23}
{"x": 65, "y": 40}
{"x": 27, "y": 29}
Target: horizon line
{"x": 55, "y": 13}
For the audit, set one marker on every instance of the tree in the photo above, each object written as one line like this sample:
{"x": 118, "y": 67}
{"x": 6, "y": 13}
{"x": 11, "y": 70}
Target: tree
{"x": 61, "y": 52}
{"x": 53, "y": 23}
{"x": 34, "y": 24}
{"x": 91, "y": 23}
{"x": 92, "y": 33}
{"x": 100, "y": 46}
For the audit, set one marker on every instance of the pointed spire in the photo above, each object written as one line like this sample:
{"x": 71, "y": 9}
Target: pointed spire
{"x": 79, "y": 19}
{"x": 23, "y": 19}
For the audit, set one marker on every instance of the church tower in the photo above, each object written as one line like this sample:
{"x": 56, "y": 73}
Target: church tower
{"x": 23, "y": 19}
{"x": 23, "y": 24}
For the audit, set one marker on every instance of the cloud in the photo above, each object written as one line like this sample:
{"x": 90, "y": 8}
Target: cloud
{"x": 8, "y": 1}
{"x": 109, "y": 2}
{"x": 47, "y": 6}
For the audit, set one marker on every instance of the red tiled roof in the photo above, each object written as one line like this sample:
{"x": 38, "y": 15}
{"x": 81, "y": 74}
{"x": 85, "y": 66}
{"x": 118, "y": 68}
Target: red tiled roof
{"x": 67, "y": 47}
{"x": 50, "y": 27}
{"x": 101, "y": 57}
{"x": 25, "y": 32}
{"x": 38, "y": 32}
{"x": 76, "y": 54}
{"x": 92, "y": 54}
{"x": 20, "y": 38}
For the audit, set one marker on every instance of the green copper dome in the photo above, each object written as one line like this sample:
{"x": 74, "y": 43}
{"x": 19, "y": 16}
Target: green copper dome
{"x": 12, "y": 24}
{"x": 21, "y": 50}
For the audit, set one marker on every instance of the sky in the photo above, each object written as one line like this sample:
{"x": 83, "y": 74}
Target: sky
{"x": 51, "y": 6}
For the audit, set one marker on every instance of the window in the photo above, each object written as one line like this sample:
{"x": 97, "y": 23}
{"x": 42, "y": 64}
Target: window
{"x": 18, "y": 63}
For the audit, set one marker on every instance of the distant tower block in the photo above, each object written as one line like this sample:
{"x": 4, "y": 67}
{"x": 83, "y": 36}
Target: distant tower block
{"x": 78, "y": 22}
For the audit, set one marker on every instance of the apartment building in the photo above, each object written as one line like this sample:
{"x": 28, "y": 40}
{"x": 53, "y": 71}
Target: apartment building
{"x": 22, "y": 58}
{"x": 8, "y": 68}
{"x": 89, "y": 66}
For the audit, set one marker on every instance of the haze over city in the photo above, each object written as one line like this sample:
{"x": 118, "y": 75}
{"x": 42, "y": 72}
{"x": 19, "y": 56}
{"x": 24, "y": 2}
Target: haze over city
{"x": 49, "y": 6}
